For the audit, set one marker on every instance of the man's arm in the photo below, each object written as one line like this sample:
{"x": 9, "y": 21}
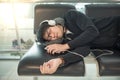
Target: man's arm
{"x": 51, "y": 66}
{"x": 82, "y": 27}
{"x": 70, "y": 58}
{"x": 84, "y": 38}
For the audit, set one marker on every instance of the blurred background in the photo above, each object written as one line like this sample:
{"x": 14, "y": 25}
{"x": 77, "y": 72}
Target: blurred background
{"x": 17, "y": 31}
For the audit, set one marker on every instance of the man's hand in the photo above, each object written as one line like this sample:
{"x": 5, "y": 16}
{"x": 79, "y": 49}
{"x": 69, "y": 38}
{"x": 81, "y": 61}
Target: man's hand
{"x": 57, "y": 48}
{"x": 51, "y": 66}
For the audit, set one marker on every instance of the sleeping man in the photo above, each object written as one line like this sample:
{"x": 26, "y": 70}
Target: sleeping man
{"x": 85, "y": 33}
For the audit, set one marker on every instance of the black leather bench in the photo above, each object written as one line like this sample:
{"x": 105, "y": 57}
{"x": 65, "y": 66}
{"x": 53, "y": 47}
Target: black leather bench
{"x": 109, "y": 65}
{"x": 30, "y": 62}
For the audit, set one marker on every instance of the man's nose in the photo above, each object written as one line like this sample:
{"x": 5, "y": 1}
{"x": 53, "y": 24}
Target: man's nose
{"x": 52, "y": 35}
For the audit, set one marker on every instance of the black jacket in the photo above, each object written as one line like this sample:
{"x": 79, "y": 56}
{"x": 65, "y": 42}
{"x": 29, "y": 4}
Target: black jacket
{"x": 88, "y": 32}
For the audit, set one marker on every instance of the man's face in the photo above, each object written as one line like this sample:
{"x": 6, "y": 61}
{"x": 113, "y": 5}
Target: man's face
{"x": 53, "y": 33}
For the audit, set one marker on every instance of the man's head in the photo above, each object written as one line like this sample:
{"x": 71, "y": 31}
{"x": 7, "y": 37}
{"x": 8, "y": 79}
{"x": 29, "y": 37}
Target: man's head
{"x": 50, "y": 30}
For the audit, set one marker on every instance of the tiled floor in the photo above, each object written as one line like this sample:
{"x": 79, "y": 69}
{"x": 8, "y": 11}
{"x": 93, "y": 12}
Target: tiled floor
{"x": 8, "y": 71}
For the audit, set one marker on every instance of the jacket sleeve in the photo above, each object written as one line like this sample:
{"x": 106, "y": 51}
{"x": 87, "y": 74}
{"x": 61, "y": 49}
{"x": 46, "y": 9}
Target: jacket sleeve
{"x": 84, "y": 38}
{"x": 89, "y": 30}
{"x": 72, "y": 58}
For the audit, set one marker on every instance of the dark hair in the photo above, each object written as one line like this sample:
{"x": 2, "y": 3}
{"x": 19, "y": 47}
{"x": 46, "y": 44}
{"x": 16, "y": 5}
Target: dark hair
{"x": 41, "y": 31}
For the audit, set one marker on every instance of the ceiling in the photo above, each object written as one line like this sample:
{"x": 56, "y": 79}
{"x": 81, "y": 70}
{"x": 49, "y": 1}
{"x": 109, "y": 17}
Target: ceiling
{"x": 68, "y": 1}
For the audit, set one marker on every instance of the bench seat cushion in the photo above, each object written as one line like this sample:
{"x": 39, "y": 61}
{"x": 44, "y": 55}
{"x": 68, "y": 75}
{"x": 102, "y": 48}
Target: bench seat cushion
{"x": 30, "y": 62}
{"x": 109, "y": 65}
